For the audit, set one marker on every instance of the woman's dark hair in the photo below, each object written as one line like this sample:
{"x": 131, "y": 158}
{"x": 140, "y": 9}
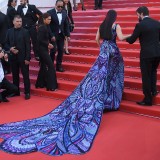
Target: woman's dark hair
{"x": 44, "y": 16}
{"x": 106, "y": 26}
{"x": 9, "y": 2}
{"x": 144, "y": 10}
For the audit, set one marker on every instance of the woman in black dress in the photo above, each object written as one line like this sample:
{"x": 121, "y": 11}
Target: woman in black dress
{"x": 47, "y": 75}
{"x": 11, "y": 12}
{"x": 68, "y": 8}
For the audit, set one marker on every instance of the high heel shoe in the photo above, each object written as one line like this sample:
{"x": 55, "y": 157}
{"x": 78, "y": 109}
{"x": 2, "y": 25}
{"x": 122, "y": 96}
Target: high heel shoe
{"x": 83, "y": 8}
{"x": 67, "y": 52}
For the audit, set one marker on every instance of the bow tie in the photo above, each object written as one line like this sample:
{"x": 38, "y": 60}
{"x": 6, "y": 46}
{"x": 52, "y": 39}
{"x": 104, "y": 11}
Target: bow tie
{"x": 59, "y": 12}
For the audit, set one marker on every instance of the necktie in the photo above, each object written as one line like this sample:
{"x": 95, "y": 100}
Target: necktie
{"x": 59, "y": 12}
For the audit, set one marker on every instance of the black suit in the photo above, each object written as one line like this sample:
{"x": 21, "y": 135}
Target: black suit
{"x": 11, "y": 12}
{"x": 29, "y": 22}
{"x": 148, "y": 32}
{"x": 47, "y": 75}
{"x": 21, "y": 40}
{"x": 8, "y": 87}
{"x": 64, "y": 31}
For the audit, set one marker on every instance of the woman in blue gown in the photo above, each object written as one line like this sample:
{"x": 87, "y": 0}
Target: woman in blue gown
{"x": 72, "y": 126}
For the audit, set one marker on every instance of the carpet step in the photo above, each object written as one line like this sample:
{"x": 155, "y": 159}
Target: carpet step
{"x": 119, "y": 18}
{"x": 91, "y": 31}
{"x": 69, "y": 85}
{"x": 97, "y": 24}
{"x": 123, "y": 5}
{"x": 124, "y": 11}
{"x": 85, "y": 43}
{"x": 137, "y": 95}
{"x": 132, "y": 107}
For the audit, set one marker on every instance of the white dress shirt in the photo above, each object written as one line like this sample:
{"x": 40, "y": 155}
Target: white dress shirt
{"x": 1, "y": 72}
{"x": 25, "y": 9}
{"x": 59, "y": 15}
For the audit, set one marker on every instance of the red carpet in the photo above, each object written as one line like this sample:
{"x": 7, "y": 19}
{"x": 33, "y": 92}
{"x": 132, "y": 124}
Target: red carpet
{"x": 85, "y": 50}
{"x": 121, "y": 136}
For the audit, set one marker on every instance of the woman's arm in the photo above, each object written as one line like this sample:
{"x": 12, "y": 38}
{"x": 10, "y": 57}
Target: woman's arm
{"x": 98, "y": 37}
{"x": 120, "y": 34}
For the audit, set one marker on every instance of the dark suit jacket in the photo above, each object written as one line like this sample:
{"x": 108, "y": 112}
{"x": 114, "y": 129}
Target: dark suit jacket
{"x": 64, "y": 27}
{"x": 35, "y": 12}
{"x": 148, "y": 32}
{"x": 11, "y": 12}
{"x": 3, "y": 27}
{"x": 23, "y": 45}
{"x": 43, "y": 36}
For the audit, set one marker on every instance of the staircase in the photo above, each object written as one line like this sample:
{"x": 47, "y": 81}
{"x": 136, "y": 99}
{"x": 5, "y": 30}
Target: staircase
{"x": 85, "y": 50}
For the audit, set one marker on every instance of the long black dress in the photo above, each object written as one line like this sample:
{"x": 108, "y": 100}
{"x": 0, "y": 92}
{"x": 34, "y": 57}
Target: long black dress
{"x": 47, "y": 75}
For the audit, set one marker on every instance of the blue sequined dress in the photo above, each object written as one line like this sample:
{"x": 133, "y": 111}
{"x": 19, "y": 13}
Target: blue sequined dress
{"x": 73, "y": 125}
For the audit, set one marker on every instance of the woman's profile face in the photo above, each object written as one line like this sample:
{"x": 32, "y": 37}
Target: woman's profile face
{"x": 47, "y": 20}
{"x": 66, "y": 1}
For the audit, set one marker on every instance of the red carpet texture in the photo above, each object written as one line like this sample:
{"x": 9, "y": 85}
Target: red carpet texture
{"x": 121, "y": 136}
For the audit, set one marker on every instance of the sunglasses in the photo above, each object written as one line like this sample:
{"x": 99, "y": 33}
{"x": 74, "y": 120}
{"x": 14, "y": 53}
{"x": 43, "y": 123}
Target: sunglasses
{"x": 59, "y": 6}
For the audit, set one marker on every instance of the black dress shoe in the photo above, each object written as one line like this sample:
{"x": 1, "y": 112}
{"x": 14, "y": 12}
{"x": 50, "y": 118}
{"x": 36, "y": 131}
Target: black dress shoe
{"x": 142, "y": 103}
{"x": 59, "y": 69}
{"x": 95, "y": 8}
{"x": 27, "y": 96}
{"x": 154, "y": 93}
{"x": 5, "y": 99}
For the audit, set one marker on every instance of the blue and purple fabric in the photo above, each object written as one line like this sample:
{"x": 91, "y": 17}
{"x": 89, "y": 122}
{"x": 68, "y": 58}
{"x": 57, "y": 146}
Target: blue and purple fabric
{"x": 73, "y": 125}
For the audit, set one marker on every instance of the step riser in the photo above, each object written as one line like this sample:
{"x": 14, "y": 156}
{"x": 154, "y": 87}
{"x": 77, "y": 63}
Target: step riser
{"x": 94, "y": 45}
{"x": 119, "y": 18}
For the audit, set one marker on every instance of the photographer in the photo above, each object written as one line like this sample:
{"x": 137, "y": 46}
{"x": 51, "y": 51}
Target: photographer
{"x": 8, "y": 87}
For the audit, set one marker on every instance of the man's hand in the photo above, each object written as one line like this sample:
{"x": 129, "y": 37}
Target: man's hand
{"x": 68, "y": 38}
{"x": 53, "y": 39}
{"x": 14, "y": 50}
{"x": 50, "y": 46}
{"x": 26, "y": 62}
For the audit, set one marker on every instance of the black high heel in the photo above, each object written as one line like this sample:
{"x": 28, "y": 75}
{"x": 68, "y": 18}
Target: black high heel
{"x": 83, "y": 8}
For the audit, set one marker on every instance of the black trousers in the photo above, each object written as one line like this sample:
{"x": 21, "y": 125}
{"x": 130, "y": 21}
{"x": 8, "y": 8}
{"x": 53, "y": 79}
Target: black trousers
{"x": 47, "y": 74}
{"x": 33, "y": 34}
{"x": 16, "y": 66}
{"x": 60, "y": 48}
{"x": 8, "y": 87}
{"x": 149, "y": 76}
{"x": 98, "y": 3}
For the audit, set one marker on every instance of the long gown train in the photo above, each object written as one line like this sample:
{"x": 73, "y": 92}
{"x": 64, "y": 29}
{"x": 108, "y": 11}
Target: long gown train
{"x": 72, "y": 126}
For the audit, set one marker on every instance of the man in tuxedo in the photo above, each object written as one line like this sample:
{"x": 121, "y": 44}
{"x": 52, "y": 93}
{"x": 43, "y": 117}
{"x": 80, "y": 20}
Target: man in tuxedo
{"x": 148, "y": 32}
{"x": 60, "y": 30}
{"x": 18, "y": 43}
{"x": 30, "y": 14}
{"x": 8, "y": 87}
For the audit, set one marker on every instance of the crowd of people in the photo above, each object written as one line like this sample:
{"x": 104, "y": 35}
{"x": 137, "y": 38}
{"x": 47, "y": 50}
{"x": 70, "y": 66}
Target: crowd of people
{"x": 51, "y": 35}
{"x": 48, "y": 33}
